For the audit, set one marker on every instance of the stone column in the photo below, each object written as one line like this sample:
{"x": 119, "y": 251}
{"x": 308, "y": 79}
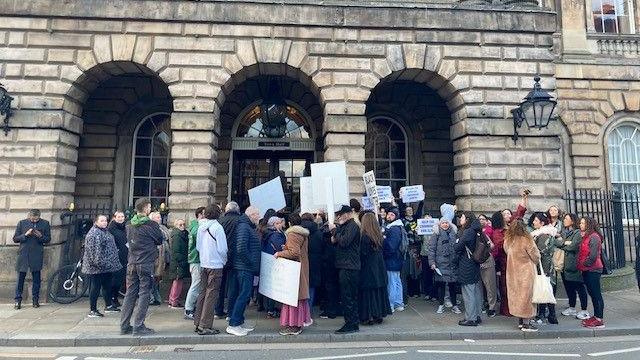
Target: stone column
{"x": 193, "y": 162}
{"x": 37, "y": 171}
{"x": 574, "y": 28}
{"x": 344, "y": 140}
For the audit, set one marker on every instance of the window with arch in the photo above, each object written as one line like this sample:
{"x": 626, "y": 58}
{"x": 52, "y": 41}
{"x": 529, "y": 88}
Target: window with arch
{"x": 273, "y": 121}
{"x": 151, "y": 158}
{"x": 386, "y": 152}
{"x": 624, "y": 162}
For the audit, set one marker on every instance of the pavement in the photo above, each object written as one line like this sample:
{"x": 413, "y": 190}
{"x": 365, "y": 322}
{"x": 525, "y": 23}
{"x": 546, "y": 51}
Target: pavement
{"x": 55, "y": 325}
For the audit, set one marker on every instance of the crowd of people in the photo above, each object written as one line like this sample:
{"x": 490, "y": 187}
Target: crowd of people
{"x": 364, "y": 266}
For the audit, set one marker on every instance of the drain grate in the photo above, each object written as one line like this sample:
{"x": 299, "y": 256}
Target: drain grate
{"x": 142, "y": 349}
{"x": 183, "y": 349}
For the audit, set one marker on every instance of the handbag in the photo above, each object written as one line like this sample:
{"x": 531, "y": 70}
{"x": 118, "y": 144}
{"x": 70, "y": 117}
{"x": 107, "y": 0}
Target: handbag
{"x": 542, "y": 289}
{"x": 558, "y": 259}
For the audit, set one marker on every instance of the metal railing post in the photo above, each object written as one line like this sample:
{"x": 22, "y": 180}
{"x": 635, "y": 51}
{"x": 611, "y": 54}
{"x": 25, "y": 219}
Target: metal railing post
{"x": 618, "y": 231}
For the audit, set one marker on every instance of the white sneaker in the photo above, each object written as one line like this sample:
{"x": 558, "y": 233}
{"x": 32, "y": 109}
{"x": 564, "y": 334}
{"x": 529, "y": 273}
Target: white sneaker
{"x": 569, "y": 311}
{"x": 307, "y": 324}
{"x": 247, "y": 327}
{"x": 447, "y": 303}
{"x": 400, "y": 308}
{"x": 582, "y": 315}
{"x": 456, "y": 310}
{"x": 440, "y": 309}
{"x": 237, "y": 331}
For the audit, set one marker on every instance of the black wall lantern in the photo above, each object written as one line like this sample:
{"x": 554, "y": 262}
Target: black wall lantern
{"x": 5, "y": 108}
{"x": 536, "y": 109}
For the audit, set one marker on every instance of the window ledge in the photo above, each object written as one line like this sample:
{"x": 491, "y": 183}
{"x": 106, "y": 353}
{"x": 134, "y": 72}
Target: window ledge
{"x": 621, "y": 45}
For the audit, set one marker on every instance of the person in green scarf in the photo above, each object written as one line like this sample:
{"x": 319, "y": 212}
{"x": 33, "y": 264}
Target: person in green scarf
{"x": 194, "y": 266}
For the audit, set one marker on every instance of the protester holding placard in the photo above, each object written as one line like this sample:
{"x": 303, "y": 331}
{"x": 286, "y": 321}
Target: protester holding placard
{"x": 293, "y": 319}
{"x": 374, "y": 297}
{"x": 273, "y": 240}
{"x": 347, "y": 239}
{"x": 428, "y": 288}
{"x": 393, "y": 258}
{"x": 488, "y": 271}
{"x": 412, "y": 264}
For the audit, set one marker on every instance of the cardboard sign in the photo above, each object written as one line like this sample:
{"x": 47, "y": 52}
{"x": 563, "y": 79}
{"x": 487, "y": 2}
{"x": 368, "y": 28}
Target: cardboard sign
{"x": 410, "y": 194}
{"x": 268, "y": 196}
{"x": 425, "y": 226}
{"x": 384, "y": 194}
{"x": 370, "y": 187}
{"x": 337, "y": 172}
{"x": 279, "y": 279}
{"x": 306, "y": 197}
{"x": 367, "y": 203}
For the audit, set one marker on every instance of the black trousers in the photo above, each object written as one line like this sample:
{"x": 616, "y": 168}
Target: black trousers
{"x": 332, "y": 291}
{"x": 453, "y": 295}
{"x": 349, "y": 284}
{"x": 428, "y": 288}
{"x": 222, "y": 293}
{"x": 100, "y": 281}
{"x": 592, "y": 281}
{"x": 574, "y": 290}
{"x": 35, "y": 286}
{"x": 117, "y": 281}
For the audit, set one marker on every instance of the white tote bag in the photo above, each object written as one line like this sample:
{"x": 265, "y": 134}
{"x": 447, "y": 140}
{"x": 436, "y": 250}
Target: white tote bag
{"x": 542, "y": 289}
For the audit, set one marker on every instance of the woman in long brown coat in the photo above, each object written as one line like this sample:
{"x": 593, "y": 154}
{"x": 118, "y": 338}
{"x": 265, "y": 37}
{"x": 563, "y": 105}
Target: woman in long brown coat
{"x": 522, "y": 257}
{"x": 293, "y": 319}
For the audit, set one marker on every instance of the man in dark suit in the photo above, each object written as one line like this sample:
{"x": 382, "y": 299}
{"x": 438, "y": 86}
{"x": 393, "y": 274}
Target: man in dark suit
{"x": 32, "y": 234}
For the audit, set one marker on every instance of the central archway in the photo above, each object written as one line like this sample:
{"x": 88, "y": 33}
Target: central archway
{"x": 271, "y": 125}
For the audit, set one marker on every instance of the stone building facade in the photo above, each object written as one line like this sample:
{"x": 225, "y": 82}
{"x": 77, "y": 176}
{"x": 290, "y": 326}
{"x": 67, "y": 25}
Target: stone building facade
{"x": 119, "y": 99}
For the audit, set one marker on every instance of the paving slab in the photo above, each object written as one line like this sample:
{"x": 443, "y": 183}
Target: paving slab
{"x": 68, "y": 325}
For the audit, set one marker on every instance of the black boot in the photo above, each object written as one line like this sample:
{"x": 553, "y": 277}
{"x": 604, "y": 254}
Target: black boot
{"x": 18, "y": 305}
{"x": 35, "y": 303}
{"x": 552, "y": 314}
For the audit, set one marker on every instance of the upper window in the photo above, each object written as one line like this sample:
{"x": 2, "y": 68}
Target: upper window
{"x": 613, "y": 16}
{"x": 386, "y": 152}
{"x": 624, "y": 162}
{"x": 151, "y": 149}
{"x": 273, "y": 121}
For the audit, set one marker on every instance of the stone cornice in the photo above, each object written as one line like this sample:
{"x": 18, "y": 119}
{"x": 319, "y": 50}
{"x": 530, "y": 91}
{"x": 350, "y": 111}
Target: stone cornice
{"x": 361, "y": 14}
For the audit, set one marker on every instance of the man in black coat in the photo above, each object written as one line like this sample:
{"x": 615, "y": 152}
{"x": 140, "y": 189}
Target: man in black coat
{"x": 32, "y": 234}
{"x": 246, "y": 265}
{"x": 346, "y": 236}
{"x": 228, "y": 221}
{"x": 143, "y": 236}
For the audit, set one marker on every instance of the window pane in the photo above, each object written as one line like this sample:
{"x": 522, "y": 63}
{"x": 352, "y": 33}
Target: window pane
{"x": 382, "y": 170}
{"x": 141, "y": 187}
{"x": 143, "y": 147}
{"x": 382, "y": 147}
{"x": 146, "y": 129}
{"x": 141, "y": 167}
{"x": 396, "y": 185}
{"x": 397, "y": 150}
{"x": 368, "y": 165}
{"x": 159, "y": 188}
{"x": 159, "y": 168}
{"x": 398, "y": 170}
{"x": 395, "y": 133}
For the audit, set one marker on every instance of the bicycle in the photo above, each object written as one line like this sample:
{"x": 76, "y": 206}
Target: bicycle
{"x": 67, "y": 284}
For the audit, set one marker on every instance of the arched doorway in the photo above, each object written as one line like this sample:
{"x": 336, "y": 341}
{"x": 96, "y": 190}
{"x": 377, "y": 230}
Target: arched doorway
{"x": 408, "y": 139}
{"x": 270, "y": 128}
{"x": 124, "y": 150}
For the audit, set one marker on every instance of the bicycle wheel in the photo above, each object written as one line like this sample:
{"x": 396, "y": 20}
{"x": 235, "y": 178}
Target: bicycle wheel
{"x": 65, "y": 290}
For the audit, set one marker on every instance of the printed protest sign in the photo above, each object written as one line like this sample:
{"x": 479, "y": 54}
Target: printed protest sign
{"x": 369, "y": 179}
{"x": 410, "y": 194}
{"x": 279, "y": 279}
{"x": 268, "y": 196}
{"x": 384, "y": 194}
{"x": 367, "y": 203}
{"x": 425, "y": 226}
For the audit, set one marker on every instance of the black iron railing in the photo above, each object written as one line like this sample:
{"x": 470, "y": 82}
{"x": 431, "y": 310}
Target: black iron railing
{"x": 618, "y": 216}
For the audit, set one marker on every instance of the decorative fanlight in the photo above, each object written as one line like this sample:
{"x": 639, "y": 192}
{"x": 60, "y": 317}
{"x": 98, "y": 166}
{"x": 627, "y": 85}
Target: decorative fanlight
{"x": 273, "y": 112}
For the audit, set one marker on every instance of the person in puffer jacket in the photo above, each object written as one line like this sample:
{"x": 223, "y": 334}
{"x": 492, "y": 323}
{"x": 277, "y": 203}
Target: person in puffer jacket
{"x": 394, "y": 258}
{"x": 246, "y": 265}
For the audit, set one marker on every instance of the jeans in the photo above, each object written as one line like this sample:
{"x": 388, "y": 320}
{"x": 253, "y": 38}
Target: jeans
{"x": 222, "y": 293}
{"x": 155, "y": 292}
{"x": 100, "y": 281}
{"x": 349, "y": 285}
{"x": 440, "y": 288}
{"x": 139, "y": 279}
{"x": 472, "y": 296}
{"x": 394, "y": 286}
{"x": 574, "y": 288}
{"x": 592, "y": 281}
{"x": 240, "y": 289}
{"x": 194, "y": 289}
{"x": 35, "y": 286}
{"x": 209, "y": 292}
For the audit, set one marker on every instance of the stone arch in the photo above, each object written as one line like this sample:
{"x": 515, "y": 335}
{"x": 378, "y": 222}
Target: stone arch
{"x": 110, "y": 99}
{"x": 247, "y": 88}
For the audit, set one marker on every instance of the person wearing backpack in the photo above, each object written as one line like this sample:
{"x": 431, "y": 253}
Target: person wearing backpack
{"x": 394, "y": 248}
{"x": 469, "y": 261}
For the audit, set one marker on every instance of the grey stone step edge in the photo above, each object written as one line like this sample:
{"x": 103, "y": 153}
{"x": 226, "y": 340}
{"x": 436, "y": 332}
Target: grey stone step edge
{"x": 193, "y": 339}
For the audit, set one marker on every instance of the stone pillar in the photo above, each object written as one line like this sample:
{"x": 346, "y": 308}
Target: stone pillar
{"x": 37, "y": 170}
{"x": 574, "y": 28}
{"x": 193, "y": 162}
{"x": 344, "y": 140}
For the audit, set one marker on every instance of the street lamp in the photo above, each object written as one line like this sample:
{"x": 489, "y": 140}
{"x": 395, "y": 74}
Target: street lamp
{"x": 5, "y": 108}
{"x": 536, "y": 109}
